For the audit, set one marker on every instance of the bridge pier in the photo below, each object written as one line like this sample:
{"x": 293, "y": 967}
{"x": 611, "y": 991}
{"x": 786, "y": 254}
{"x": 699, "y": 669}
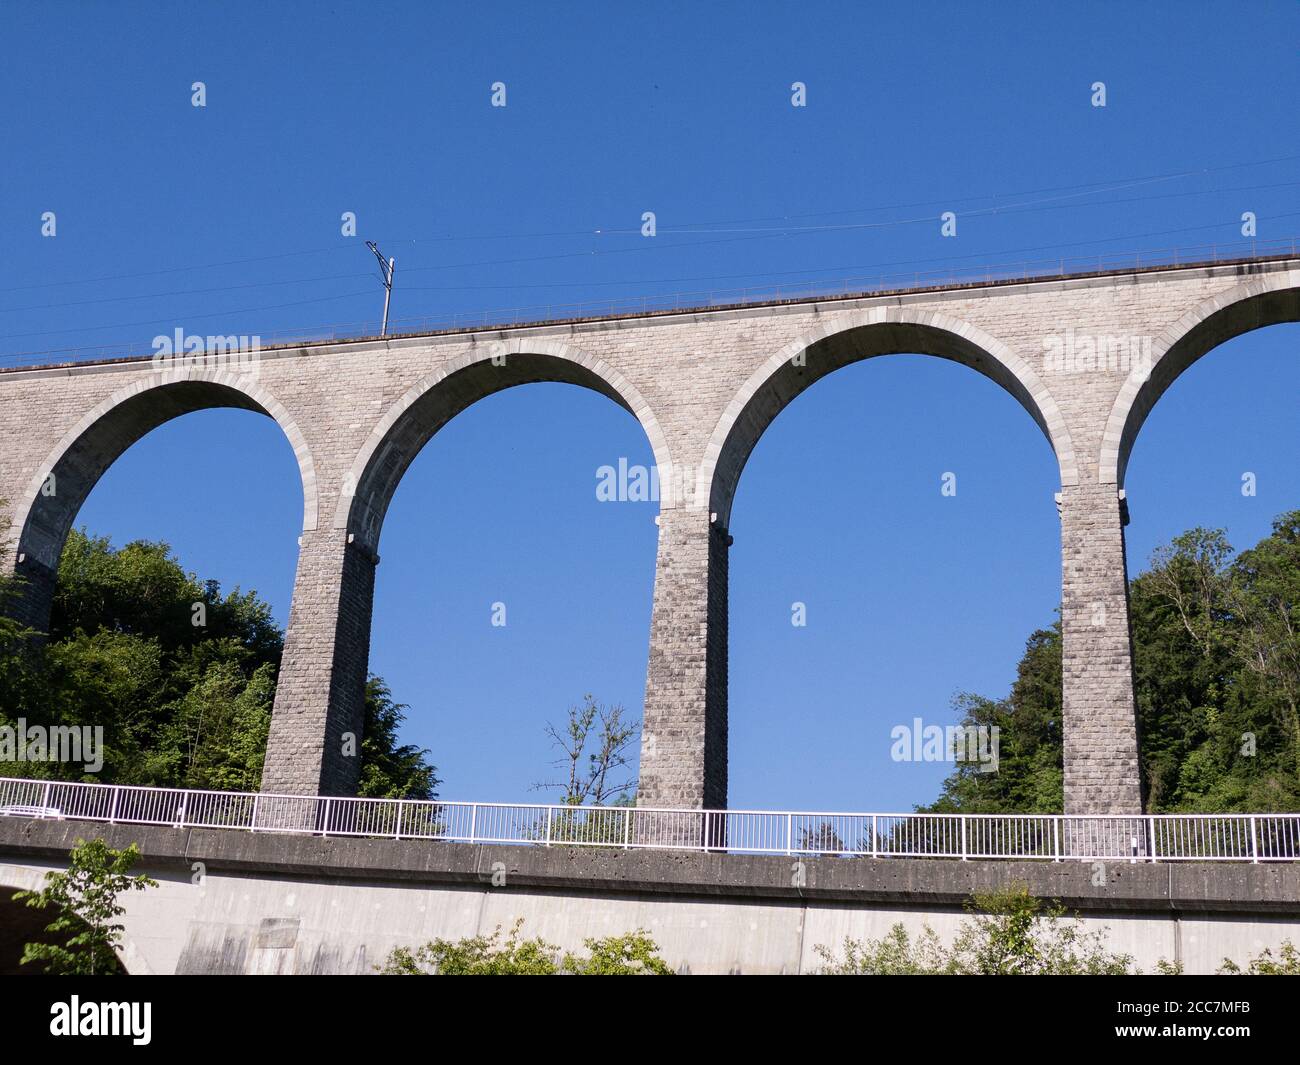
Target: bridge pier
{"x": 320, "y": 697}
{"x": 684, "y": 735}
{"x": 1099, "y": 710}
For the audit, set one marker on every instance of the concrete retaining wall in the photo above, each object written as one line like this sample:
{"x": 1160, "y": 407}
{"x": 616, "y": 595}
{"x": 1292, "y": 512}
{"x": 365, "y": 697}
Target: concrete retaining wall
{"x": 241, "y": 902}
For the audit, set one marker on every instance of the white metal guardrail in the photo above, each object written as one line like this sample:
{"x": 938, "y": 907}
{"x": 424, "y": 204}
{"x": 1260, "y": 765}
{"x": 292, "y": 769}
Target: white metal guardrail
{"x": 1148, "y": 837}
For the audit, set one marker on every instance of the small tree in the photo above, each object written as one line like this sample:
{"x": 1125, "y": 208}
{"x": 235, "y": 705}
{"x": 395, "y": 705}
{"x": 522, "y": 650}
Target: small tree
{"x": 599, "y": 775}
{"x": 86, "y": 900}
{"x": 822, "y": 839}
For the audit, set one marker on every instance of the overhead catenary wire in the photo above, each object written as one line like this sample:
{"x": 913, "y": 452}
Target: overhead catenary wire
{"x": 577, "y": 282}
{"x": 1117, "y": 183}
{"x": 173, "y": 317}
{"x": 873, "y": 269}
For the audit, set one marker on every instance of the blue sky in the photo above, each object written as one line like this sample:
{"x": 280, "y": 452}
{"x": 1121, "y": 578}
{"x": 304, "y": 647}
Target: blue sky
{"x": 684, "y": 110}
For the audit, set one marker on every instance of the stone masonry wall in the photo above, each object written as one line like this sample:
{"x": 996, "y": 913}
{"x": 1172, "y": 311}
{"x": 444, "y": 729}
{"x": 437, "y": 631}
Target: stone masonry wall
{"x": 1100, "y": 725}
{"x": 698, "y": 384}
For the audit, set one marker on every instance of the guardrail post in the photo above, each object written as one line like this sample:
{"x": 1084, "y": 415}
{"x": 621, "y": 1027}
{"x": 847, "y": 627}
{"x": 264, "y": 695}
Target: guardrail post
{"x": 550, "y": 812}
{"x": 325, "y": 824}
{"x": 185, "y": 802}
{"x": 627, "y": 828}
{"x": 1151, "y": 835}
{"x": 112, "y": 813}
{"x": 789, "y": 834}
{"x": 1056, "y": 839}
{"x": 963, "y": 836}
{"x": 1254, "y": 842}
{"x": 252, "y": 821}
{"x": 398, "y": 833}
{"x": 45, "y": 795}
{"x": 875, "y": 839}
{"x": 473, "y": 821}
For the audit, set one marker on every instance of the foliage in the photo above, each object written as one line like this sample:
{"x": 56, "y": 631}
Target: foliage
{"x": 821, "y": 839}
{"x": 897, "y": 954}
{"x": 1216, "y": 656}
{"x": 1010, "y": 933}
{"x": 390, "y": 770}
{"x": 476, "y": 956}
{"x": 634, "y": 954}
{"x": 85, "y": 898}
{"x": 180, "y": 676}
{"x": 1287, "y": 963}
{"x": 18, "y": 657}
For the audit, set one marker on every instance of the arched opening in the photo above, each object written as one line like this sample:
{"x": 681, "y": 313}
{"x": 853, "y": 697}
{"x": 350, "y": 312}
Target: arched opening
{"x": 895, "y": 544}
{"x": 60, "y": 487}
{"x": 1270, "y": 300}
{"x": 171, "y": 677}
{"x": 369, "y": 486}
{"x": 893, "y": 331}
{"x": 508, "y": 588}
{"x": 1219, "y": 448}
{"x": 1208, "y": 462}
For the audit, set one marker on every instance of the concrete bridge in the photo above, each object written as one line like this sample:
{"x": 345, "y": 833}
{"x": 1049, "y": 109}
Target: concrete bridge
{"x": 1087, "y": 356}
{"x": 243, "y": 902}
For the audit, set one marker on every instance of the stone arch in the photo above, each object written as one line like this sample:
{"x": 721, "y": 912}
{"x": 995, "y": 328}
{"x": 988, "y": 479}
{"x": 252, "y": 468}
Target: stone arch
{"x": 41, "y": 520}
{"x": 434, "y": 400}
{"x": 1268, "y": 300}
{"x": 863, "y": 335}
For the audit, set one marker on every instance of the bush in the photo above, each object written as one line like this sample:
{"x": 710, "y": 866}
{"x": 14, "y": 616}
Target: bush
{"x": 634, "y": 954}
{"x": 1286, "y": 964}
{"x": 1011, "y": 933}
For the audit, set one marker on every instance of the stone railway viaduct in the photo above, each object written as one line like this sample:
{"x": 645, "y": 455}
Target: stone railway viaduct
{"x": 704, "y": 384}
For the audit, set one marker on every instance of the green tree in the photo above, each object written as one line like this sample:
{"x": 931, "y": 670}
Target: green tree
{"x": 1030, "y": 777}
{"x": 390, "y": 770}
{"x": 180, "y": 676}
{"x": 1216, "y": 662}
{"x": 85, "y": 898}
{"x": 19, "y": 659}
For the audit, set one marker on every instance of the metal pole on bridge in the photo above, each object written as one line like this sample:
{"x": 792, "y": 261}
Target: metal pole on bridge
{"x": 388, "y": 266}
